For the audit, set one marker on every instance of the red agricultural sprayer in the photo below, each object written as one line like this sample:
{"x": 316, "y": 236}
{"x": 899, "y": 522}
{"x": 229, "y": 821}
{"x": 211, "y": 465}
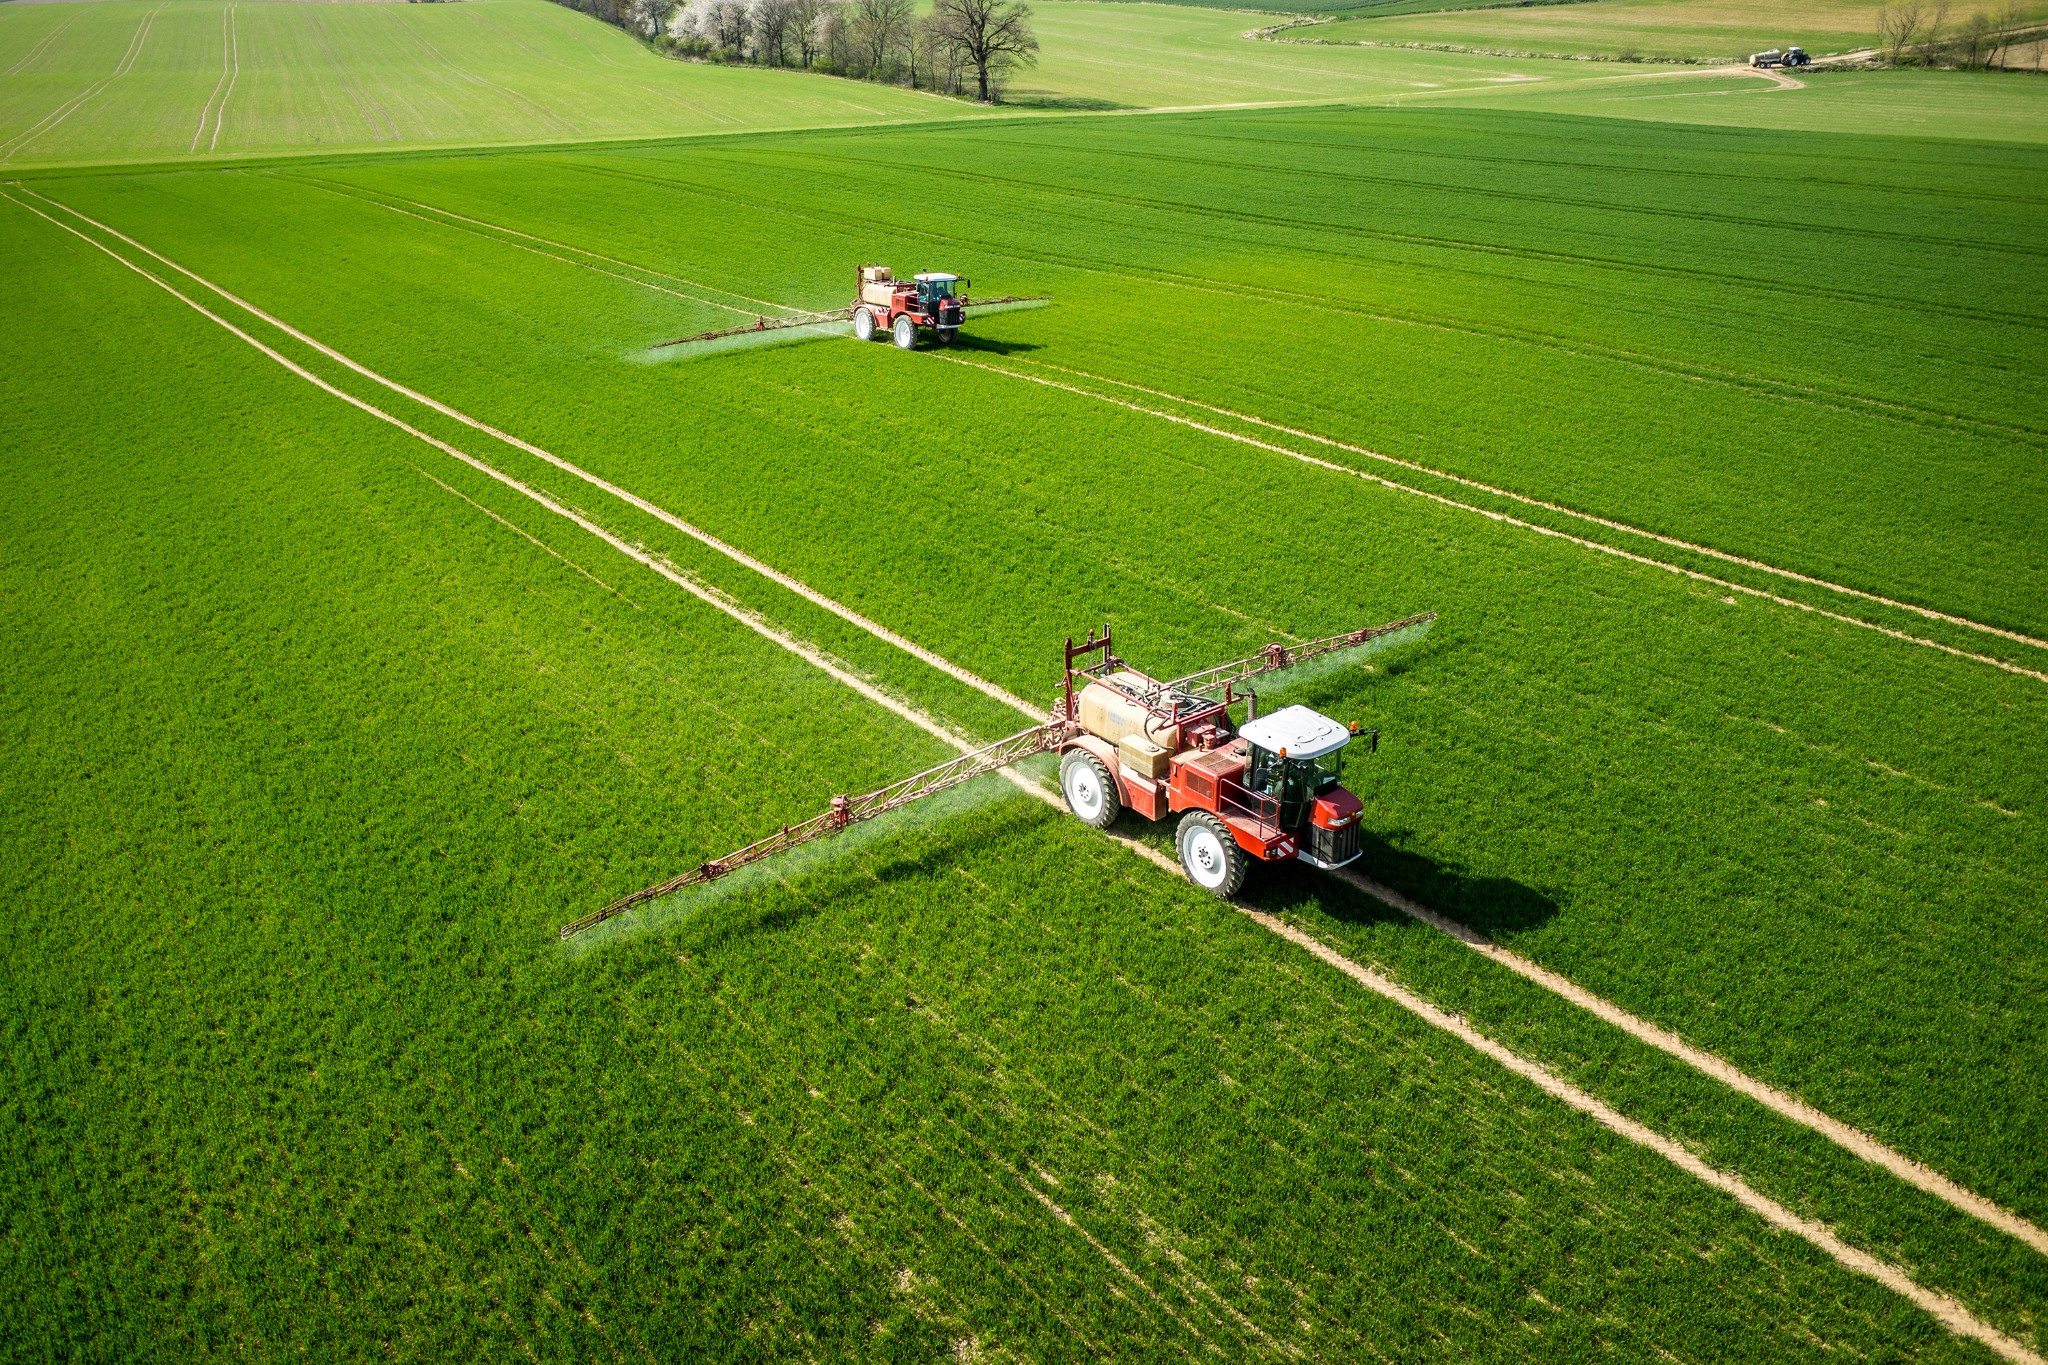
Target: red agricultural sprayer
{"x": 930, "y": 303}
{"x": 1266, "y": 791}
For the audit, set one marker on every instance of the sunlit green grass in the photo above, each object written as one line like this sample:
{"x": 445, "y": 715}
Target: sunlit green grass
{"x": 312, "y": 754}
{"x": 279, "y": 76}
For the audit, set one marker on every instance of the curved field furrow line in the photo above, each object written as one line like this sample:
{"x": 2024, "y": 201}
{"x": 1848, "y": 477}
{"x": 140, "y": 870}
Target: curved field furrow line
{"x": 72, "y": 105}
{"x": 475, "y": 228}
{"x": 549, "y": 119}
{"x": 1784, "y": 390}
{"x": 220, "y": 116}
{"x": 1928, "y": 613}
{"x": 1949, "y": 1312}
{"x": 668, "y": 518}
{"x": 1802, "y": 291}
{"x": 28, "y": 57}
{"x": 228, "y": 63}
{"x": 1799, "y": 173}
{"x": 1504, "y": 518}
{"x": 364, "y": 102}
{"x": 1793, "y": 575}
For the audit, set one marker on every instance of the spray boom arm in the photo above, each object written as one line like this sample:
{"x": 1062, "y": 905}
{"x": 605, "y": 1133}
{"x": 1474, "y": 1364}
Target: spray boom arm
{"x": 844, "y": 812}
{"x": 1210, "y": 690}
{"x": 1275, "y": 657}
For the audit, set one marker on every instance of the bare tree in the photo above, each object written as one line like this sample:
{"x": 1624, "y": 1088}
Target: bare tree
{"x": 2006, "y": 27}
{"x": 647, "y": 17}
{"x": 1975, "y": 40}
{"x": 1930, "y": 37}
{"x": 992, "y": 35}
{"x": 803, "y": 30}
{"x": 832, "y": 45}
{"x": 1897, "y": 26}
{"x": 880, "y": 33}
{"x": 770, "y": 21}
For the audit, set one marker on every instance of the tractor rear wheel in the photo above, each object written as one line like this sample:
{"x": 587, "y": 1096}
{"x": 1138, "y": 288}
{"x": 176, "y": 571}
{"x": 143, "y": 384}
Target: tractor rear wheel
{"x": 906, "y": 333}
{"x": 863, "y": 324}
{"x": 1209, "y": 854}
{"x": 1090, "y": 790}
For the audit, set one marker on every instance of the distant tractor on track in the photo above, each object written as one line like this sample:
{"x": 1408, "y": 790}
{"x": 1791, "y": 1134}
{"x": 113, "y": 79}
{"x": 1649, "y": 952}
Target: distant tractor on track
{"x": 931, "y": 302}
{"x": 1790, "y": 56}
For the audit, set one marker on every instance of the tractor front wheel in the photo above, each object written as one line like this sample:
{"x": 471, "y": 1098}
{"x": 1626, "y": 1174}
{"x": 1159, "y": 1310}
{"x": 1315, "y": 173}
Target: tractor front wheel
{"x": 946, "y": 335}
{"x": 906, "y": 333}
{"x": 1090, "y": 790}
{"x": 1209, "y": 854}
{"x": 863, "y": 324}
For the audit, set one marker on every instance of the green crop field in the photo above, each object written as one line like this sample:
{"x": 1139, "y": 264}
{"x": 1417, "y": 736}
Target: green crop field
{"x": 379, "y": 595}
{"x": 1694, "y": 29}
{"x": 132, "y": 79}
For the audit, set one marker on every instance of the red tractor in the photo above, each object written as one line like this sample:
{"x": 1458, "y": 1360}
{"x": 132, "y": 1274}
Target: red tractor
{"x": 1267, "y": 790}
{"x": 883, "y": 303}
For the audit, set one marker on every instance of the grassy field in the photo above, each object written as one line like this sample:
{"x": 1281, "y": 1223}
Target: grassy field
{"x": 1692, "y": 29}
{"x": 134, "y": 79}
{"x": 316, "y": 749}
{"x": 319, "y": 725}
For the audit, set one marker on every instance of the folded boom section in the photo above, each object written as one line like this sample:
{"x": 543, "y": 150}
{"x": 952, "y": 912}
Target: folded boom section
{"x": 1275, "y": 657}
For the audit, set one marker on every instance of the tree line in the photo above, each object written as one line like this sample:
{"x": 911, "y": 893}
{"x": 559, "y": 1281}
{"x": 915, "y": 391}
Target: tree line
{"x": 958, "y": 45}
{"x": 1920, "y": 33}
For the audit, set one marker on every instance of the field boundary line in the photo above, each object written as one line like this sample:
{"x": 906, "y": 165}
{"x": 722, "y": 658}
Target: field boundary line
{"x": 540, "y": 111}
{"x": 1781, "y": 390}
{"x": 1948, "y": 1311}
{"x": 43, "y": 43}
{"x": 1761, "y": 566}
{"x": 1502, "y": 517}
{"x": 519, "y": 530}
{"x": 1852, "y": 1139}
{"x": 1780, "y": 1102}
{"x": 76, "y": 102}
{"x": 737, "y": 555}
{"x": 228, "y": 61}
{"x": 358, "y": 94}
{"x": 1675, "y": 542}
{"x": 220, "y": 115}
{"x": 335, "y": 187}
{"x": 724, "y": 602}
{"x": 521, "y": 246}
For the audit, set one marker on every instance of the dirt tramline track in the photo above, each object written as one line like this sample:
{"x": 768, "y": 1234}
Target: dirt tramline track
{"x": 1951, "y": 1313}
{"x": 76, "y": 102}
{"x": 798, "y": 318}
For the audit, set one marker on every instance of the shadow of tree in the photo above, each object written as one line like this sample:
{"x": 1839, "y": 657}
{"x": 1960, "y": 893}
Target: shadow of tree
{"x": 1047, "y": 99}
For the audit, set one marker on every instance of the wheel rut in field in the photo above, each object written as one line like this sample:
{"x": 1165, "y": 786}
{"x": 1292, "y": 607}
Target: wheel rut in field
{"x": 1948, "y": 1311}
{"x": 1394, "y": 485}
{"x": 78, "y": 101}
{"x": 1591, "y": 518}
{"x": 1674, "y": 542}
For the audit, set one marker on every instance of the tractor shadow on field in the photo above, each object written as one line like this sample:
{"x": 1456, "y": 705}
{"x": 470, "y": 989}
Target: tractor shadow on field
{"x": 967, "y": 341}
{"x": 1495, "y": 906}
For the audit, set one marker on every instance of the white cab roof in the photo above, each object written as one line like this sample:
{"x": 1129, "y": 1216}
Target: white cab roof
{"x": 938, "y": 279}
{"x": 1301, "y": 732}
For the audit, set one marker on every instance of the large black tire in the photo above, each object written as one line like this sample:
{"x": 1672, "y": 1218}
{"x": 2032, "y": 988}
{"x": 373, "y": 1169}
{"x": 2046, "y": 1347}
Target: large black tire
{"x": 946, "y": 335}
{"x": 1209, "y": 854}
{"x": 905, "y": 333}
{"x": 863, "y": 324}
{"x": 1090, "y": 789}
